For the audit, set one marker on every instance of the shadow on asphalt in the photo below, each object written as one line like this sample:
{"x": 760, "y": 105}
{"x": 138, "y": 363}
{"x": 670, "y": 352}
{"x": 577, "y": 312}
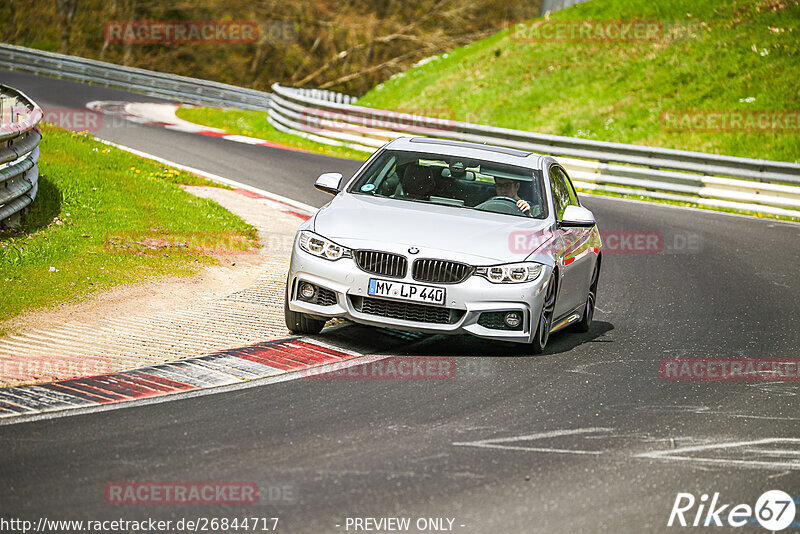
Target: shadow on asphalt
{"x": 466, "y": 345}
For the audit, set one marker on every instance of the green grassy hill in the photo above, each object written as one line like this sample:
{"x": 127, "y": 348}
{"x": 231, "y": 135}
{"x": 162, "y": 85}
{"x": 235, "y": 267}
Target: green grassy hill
{"x": 708, "y": 55}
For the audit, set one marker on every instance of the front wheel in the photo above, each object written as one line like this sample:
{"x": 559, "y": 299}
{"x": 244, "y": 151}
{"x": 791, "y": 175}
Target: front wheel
{"x": 546, "y": 317}
{"x": 588, "y": 311}
{"x": 301, "y": 323}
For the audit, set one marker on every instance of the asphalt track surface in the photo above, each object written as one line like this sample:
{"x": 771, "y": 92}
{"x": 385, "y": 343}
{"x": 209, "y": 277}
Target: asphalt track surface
{"x": 406, "y": 448}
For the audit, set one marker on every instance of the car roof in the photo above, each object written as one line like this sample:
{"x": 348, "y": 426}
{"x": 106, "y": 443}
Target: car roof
{"x": 447, "y": 147}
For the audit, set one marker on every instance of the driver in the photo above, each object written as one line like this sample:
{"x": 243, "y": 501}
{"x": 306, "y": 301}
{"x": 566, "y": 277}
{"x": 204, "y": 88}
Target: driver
{"x": 510, "y": 188}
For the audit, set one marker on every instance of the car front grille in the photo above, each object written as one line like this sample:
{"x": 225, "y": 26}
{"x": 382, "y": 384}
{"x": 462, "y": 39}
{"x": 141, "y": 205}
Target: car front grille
{"x": 440, "y": 271}
{"x": 382, "y": 263}
{"x": 406, "y": 311}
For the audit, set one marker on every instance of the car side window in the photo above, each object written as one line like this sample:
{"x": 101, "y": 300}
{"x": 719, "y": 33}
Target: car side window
{"x": 573, "y": 195}
{"x": 558, "y": 184}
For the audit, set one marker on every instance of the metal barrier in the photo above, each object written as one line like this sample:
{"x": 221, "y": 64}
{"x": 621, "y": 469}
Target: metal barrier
{"x": 708, "y": 179}
{"x": 159, "y": 84}
{"x": 19, "y": 152}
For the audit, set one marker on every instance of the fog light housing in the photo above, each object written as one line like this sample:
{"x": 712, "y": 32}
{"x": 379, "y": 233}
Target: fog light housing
{"x": 307, "y": 291}
{"x": 513, "y": 319}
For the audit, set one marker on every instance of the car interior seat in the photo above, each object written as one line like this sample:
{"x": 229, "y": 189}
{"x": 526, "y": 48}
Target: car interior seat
{"x": 417, "y": 182}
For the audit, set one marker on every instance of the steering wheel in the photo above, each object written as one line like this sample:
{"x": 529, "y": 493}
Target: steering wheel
{"x": 500, "y": 204}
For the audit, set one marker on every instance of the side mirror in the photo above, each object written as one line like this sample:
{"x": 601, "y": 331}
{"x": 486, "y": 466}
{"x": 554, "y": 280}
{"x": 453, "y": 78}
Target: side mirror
{"x": 576, "y": 217}
{"x": 330, "y": 182}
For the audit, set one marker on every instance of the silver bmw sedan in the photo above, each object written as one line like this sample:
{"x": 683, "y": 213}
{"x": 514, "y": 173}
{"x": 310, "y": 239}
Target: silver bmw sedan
{"x": 448, "y": 237}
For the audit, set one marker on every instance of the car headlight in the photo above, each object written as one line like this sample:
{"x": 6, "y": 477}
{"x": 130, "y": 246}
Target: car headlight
{"x": 510, "y": 273}
{"x": 322, "y": 247}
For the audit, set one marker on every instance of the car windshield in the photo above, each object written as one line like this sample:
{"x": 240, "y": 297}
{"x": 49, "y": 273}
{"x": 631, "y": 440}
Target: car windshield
{"x": 454, "y": 181}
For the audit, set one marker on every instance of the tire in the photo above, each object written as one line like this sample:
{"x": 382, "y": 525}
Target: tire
{"x": 588, "y": 311}
{"x": 301, "y": 323}
{"x": 545, "y": 321}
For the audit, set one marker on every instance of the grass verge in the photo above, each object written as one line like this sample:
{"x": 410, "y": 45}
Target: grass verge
{"x": 103, "y": 217}
{"x": 687, "y": 204}
{"x": 255, "y": 124}
{"x": 737, "y": 56}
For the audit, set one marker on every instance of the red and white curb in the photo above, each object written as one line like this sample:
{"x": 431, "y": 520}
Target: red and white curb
{"x": 164, "y": 115}
{"x": 224, "y": 368}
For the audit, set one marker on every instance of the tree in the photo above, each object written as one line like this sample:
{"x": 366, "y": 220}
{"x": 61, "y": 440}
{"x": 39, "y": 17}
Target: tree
{"x": 66, "y": 14}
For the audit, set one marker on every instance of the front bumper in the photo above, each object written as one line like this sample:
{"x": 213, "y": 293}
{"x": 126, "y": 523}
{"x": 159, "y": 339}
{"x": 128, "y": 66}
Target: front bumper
{"x": 468, "y": 299}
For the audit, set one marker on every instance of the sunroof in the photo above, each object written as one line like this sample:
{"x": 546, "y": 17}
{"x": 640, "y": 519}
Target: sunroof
{"x": 477, "y": 146}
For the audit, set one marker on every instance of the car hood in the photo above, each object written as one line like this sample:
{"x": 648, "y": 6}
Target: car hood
{"x": 361, "y": 221}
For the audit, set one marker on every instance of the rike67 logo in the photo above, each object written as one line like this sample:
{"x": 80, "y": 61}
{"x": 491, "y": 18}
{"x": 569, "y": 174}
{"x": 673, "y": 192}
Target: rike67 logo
{"x": 774, "y": 510}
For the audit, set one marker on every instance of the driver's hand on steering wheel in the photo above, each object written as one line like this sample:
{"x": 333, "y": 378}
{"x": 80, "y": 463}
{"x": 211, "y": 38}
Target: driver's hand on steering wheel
{"x": 524, "y": 207}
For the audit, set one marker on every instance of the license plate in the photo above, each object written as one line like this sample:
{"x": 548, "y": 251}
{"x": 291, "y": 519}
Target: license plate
{"x": 403, "y": 291}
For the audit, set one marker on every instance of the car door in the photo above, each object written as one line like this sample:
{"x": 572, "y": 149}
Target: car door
{"x": 574, "y": 260}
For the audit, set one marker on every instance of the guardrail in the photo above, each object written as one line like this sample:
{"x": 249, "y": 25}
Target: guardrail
{"x": 158, "y": 84}
{"x": 19, "y": 152}
{"x": 708, "y": 179}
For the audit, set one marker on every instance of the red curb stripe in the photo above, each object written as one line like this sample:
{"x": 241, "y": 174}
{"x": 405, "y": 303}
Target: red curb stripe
{"x": 135, "y": 384}
{"x": 30, "y": 399}
{"x": 291, "y": 359}
{"x": 322, "y": 348}
{"x": 91, "y": 390}
{"x": 165, "y": 382}
{"x": 113, "y": 384}
{"x": 247, "y": 193}
{"x": 196, "y": 374}
{"x": 227, "y": 363}
{"x": 213, "y": 134}
{"x": 277, "y": 363}
{"x": 152, "y": 382}
{"x": 251, "y": 194}
{"x": 14, "y": 408}
{"x": 60, "y": 388}
{"x": 180, "y": 375}
{"x": 304, "y": 355}
{"x": 296, "y": 214}
{"x": 269, "y": 356}
{"x": 284, "y": 147}
{"x": 68, "y": 398}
